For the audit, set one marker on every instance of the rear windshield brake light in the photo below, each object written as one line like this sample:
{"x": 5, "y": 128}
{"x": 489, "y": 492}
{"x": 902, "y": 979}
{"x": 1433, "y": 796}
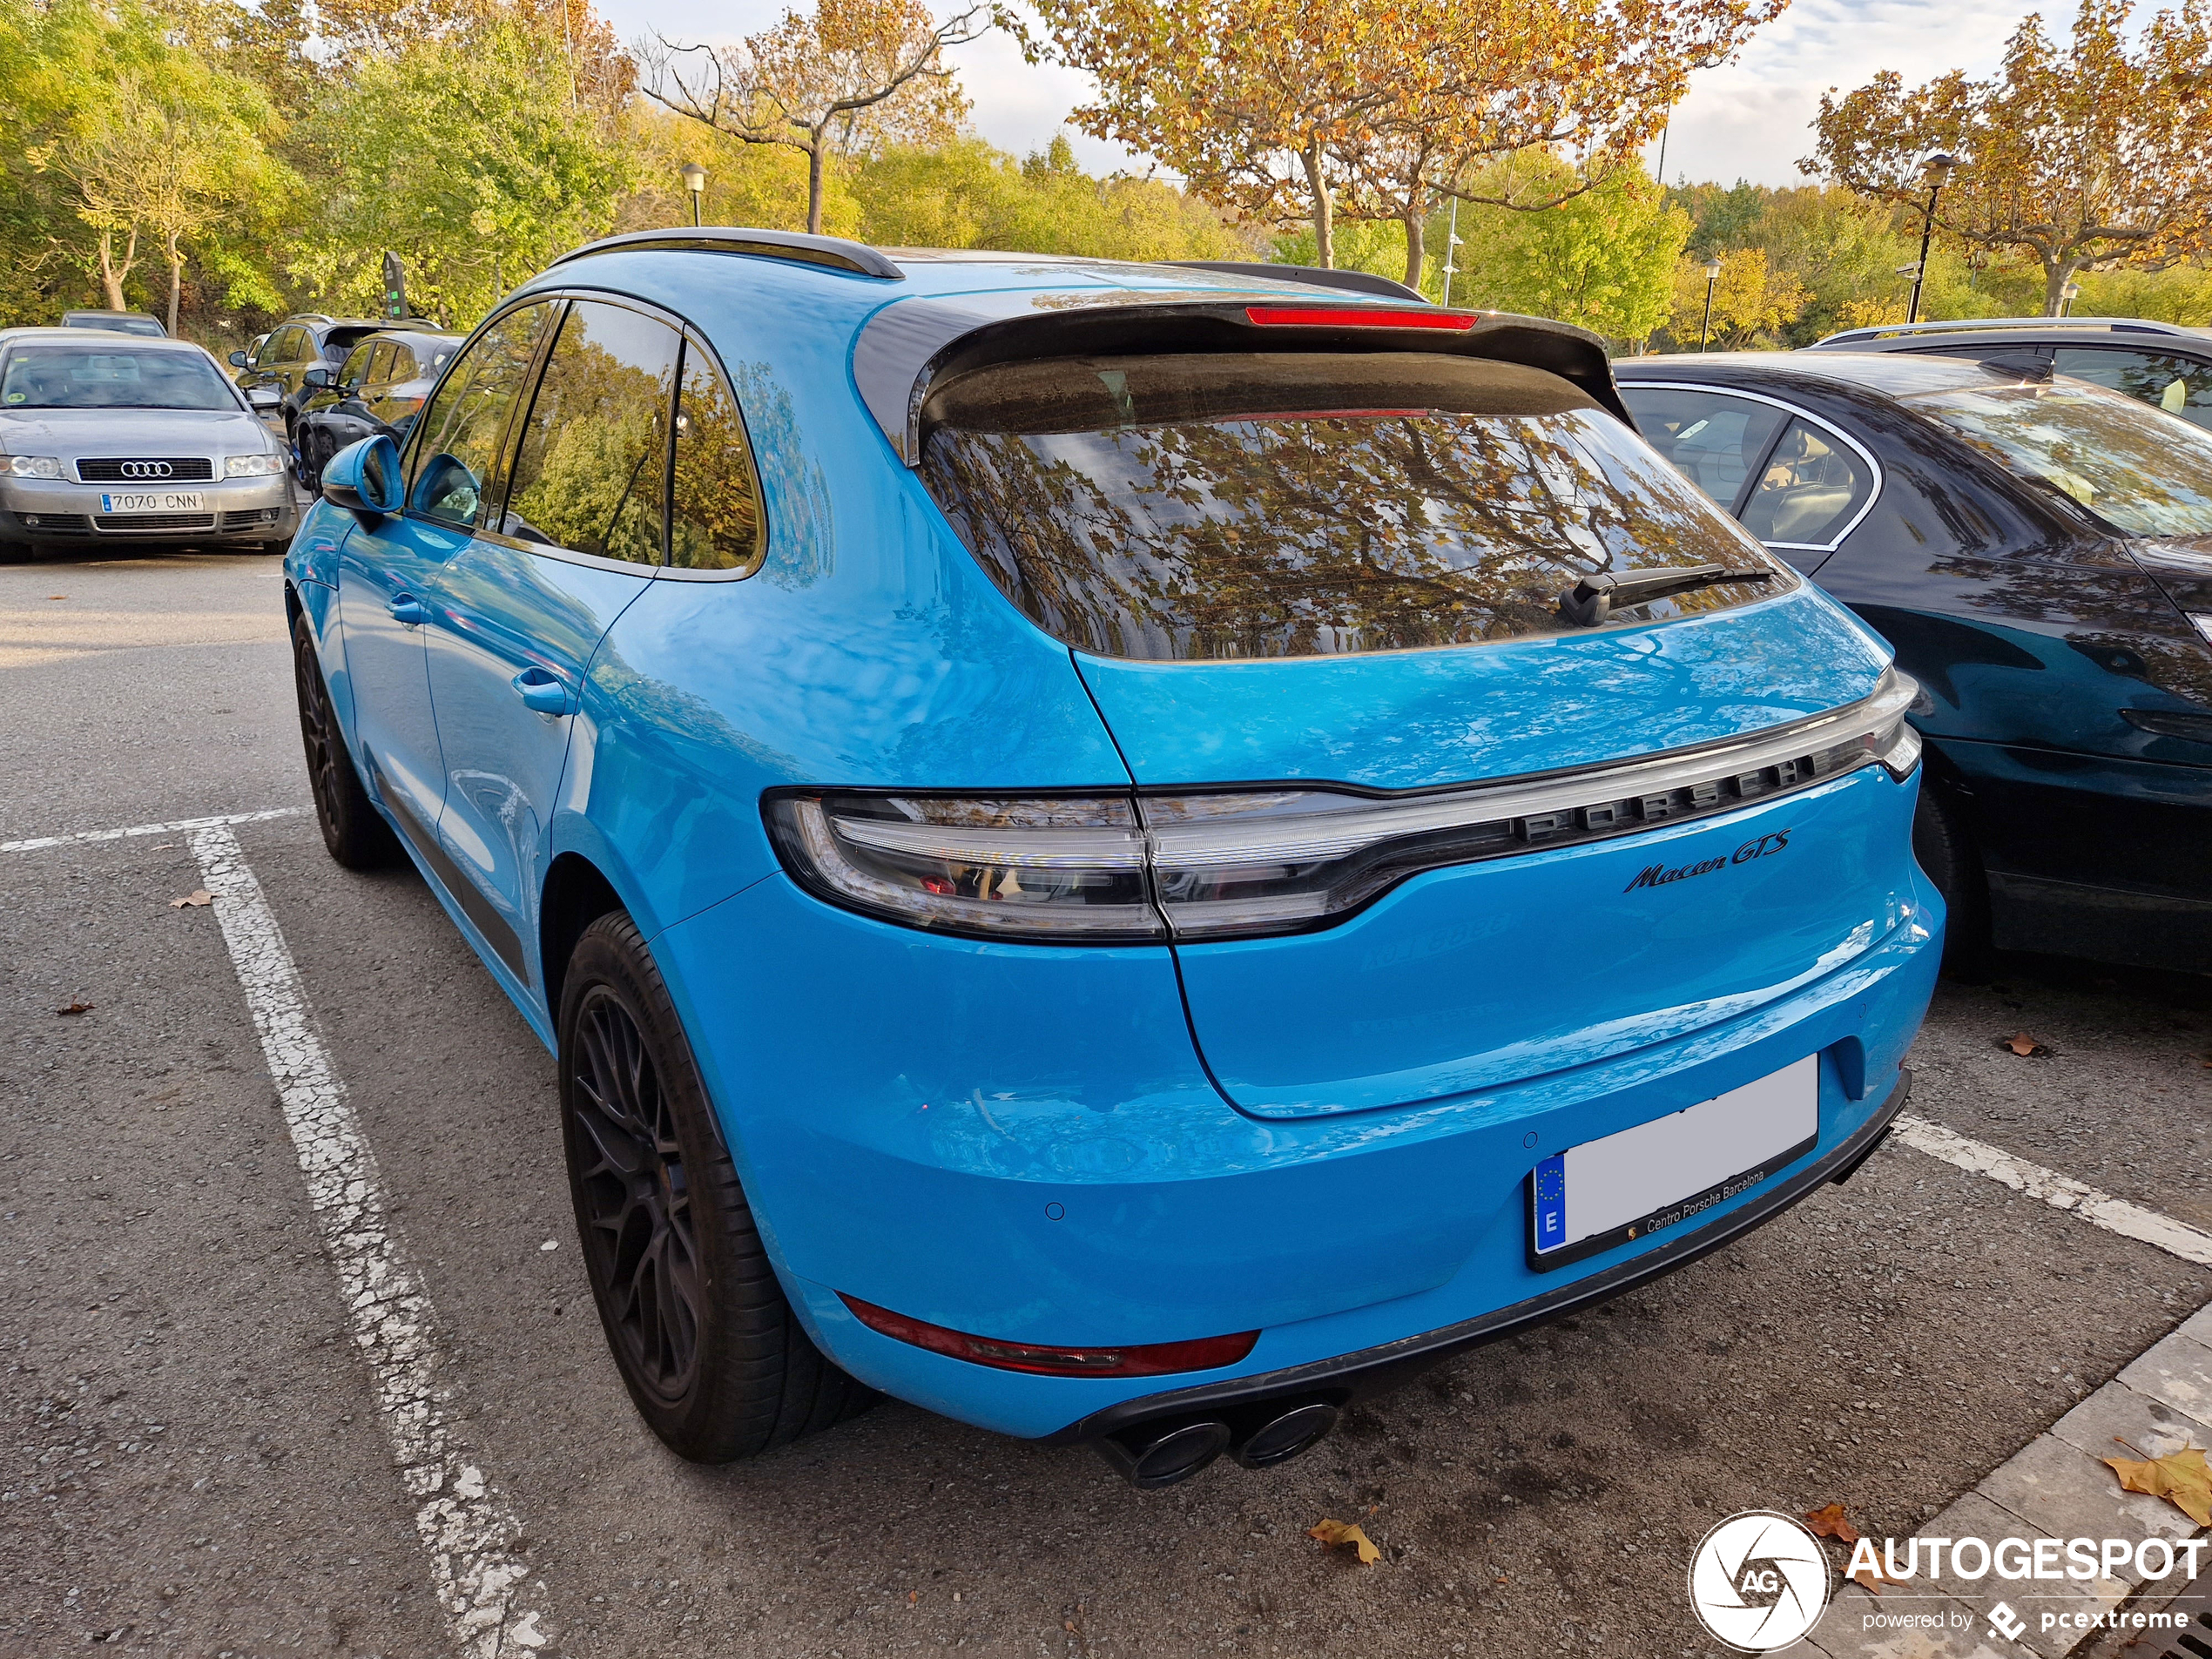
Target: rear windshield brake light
{"x": 1355, "y": 317}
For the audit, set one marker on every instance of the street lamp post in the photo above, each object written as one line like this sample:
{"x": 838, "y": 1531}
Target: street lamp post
{"x": 1712, "y": 269}
{"x": 694, "y": 181}
{"x": 1451, "y": 250}
{"x": 1935, "y": 169}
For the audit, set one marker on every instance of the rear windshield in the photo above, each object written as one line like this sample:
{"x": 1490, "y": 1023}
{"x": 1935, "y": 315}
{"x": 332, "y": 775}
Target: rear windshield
{"x": 93, "y": 377}
{"x": 1297, "y": 504}
{"x": 2141, "y": 470}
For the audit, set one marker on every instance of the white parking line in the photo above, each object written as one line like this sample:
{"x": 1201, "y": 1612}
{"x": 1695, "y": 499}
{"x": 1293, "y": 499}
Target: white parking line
{"x": 180, "y": 828}
{"x": 470, "y": 1533}
{"x": 2060, "y": 1191}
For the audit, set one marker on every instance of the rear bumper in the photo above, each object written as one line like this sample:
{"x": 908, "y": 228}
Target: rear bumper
{"x": 1019, "y": 1143}
{"x": 1374, "y": 1371}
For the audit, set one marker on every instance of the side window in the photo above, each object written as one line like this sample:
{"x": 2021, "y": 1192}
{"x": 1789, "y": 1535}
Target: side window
{"x": 592, "y": 472}
{"x": 356, "y": 368}
{"x": 715, "y": 523}
{"x": 290, "y": 347}
{"x": 1809, "y": 488}
{"x": 1714, "y": 439}
{"x": 402, "y": 368}
{"x": 461, "y": 430}
{"x": 2178, "y": 385}
{"x": 380, "y": 363}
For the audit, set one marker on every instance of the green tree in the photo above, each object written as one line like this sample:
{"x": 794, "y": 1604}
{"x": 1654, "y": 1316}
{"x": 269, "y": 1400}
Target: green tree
{"x": 516, "y": 173}
{"x": 1603, "y": 258}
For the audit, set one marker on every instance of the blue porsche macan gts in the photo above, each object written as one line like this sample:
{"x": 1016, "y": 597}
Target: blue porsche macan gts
{"x": 1128, "y": 853}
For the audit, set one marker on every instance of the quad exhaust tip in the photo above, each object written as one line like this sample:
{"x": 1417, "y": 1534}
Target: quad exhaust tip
{"x": 1161, "y": 1454}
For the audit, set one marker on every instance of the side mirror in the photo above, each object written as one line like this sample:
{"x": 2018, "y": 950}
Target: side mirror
{"x": 316, "y": 377}
{"x": 238, "y": 359}
{"x": 445, "y": 488}
{"x": 364, "y": 478}
{"x": 263, "y": 397}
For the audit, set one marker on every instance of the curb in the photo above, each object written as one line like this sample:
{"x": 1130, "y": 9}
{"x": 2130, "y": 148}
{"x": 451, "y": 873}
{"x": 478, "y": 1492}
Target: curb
{"x": 2055, "y": 1486}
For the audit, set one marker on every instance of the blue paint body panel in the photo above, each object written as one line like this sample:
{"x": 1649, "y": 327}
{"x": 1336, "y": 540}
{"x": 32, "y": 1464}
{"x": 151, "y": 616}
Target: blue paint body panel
{"x": 1025, "y": 1140}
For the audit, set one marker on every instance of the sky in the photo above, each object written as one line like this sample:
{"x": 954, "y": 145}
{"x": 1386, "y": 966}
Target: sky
{"x": 1749, "y": 119}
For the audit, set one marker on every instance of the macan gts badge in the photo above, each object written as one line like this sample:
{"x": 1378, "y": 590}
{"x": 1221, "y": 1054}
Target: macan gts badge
{"x": 1101, "y": 847}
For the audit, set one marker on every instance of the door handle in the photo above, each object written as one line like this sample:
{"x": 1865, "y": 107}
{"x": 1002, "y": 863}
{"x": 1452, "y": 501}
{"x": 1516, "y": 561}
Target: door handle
{"x": 408, "y": 610}
{"x": 542, "y": 692}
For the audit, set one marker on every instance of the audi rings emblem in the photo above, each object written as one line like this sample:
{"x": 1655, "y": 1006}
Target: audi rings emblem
{"x": 146, "y": 470}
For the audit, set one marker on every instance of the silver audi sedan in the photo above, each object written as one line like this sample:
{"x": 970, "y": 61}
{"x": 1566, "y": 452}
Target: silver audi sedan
{"x": 109, "y": 438}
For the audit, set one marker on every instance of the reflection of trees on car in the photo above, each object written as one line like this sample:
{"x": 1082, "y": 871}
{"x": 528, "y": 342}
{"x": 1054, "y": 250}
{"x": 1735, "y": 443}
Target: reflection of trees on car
{"x": 717, "y": 523}
{"x": 1240, "y": 536}
{"x": 590, "y": 473}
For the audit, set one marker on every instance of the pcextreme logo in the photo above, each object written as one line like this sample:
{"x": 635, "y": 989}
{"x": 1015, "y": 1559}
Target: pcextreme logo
{"x": 1658, "y": 875}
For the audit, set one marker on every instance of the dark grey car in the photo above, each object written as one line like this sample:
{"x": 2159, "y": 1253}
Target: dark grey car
{"x": 2159, "y": 363}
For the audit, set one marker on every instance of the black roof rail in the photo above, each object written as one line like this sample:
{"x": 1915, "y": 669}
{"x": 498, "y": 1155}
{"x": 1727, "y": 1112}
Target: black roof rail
{"x": 1313, "y": 275}
{"x": 835, "y": 253}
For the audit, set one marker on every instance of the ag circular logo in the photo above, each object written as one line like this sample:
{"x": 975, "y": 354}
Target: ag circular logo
{"x": 1758, "y": 1582}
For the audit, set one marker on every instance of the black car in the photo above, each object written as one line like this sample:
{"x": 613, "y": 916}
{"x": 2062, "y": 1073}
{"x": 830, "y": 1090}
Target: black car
{"x": 281, "y": 363}
{"x": 2155, "y": 362}
{"x": 2039, "y": 550}
{"x": 379, "y": 389}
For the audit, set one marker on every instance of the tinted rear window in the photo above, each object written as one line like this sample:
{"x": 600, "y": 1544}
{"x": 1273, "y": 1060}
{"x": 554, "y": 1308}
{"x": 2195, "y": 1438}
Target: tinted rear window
{"x": 1295, "y": 505}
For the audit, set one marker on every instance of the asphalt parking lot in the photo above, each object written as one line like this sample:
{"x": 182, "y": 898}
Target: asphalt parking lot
{"x": 195, "y": 1461}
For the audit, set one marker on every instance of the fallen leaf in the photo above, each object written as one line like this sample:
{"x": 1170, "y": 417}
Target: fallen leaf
{"x": 2023, "y": 1045}
{"x": 2182, "y": 1478}
{"x": 58, "y": 595}
{"x": 1333, "y": 1533}
{"x": 1872, "y": 1578}
{"x": 1828, "y": 1522}
{"x": 199, "y": 897}
{"x": 75, "y": 1008}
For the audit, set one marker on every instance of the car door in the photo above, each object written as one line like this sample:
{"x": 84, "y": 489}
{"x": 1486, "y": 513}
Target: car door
{"x": 384, "y": 571}
{"x": 518, "y": 614}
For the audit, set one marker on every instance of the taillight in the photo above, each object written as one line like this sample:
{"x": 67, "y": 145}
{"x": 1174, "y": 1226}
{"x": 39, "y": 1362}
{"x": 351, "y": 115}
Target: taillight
{"x": 1355, "y": 317}
{"x": 1132, "y": 1359}
{"x": 1237, "y": 864}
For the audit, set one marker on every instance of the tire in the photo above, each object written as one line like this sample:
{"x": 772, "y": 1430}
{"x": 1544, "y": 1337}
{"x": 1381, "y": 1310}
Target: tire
{"x": 1947, "y": 852}
{"x": 312, "y": 462}
{"x": 714, "y": 1358}
{"x": 357, "y": 838}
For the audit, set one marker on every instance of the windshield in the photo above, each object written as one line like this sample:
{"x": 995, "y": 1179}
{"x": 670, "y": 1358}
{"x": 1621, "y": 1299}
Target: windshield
{"x": 93, "y": 377}
{"x": 2141, "y": 470}
{"x": 1295, "y": 504}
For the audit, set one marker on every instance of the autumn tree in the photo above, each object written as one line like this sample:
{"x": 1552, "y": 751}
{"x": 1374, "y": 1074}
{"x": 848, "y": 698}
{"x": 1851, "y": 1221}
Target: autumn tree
{"x": 1603, "y": 258}
{"x": 2093, "y": 155}
{"x": 1750, "y": 298}
{"x": 1275, "y": 106}
{"x": 856, "y": 76}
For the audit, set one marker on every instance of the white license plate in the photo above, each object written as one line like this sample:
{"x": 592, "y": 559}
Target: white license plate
{"x": 121, "y": 504}
{"x": 1658, "y": 1175}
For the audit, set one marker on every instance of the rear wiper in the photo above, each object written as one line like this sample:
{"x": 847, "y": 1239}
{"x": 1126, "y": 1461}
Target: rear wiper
{"x": 1590, "y": 601}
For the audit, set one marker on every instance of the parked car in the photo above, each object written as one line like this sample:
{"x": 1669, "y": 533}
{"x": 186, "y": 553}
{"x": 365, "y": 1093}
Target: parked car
{"x": 379, "y": 389}
{"x": 294, "y": 347}
{"x": 1123, "y": 852}
{"x": 2040, "y": 552}
{"x": 2159, "y": 363}
{"x": 117, "y": 438}
{"x": 116, "y": 322}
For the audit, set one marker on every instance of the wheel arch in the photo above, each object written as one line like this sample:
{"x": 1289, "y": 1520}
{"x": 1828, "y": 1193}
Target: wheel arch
{"x": 576, "y": 894}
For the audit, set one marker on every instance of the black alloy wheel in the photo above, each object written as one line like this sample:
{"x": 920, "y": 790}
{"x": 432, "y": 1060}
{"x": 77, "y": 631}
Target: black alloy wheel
{"x": 633, "y": 1201}
{"x": 353, "y": 831}
{"x": 715, "y": 1360}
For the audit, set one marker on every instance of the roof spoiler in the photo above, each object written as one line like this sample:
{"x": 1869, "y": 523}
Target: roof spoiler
{"x": 1313, "y": 275}
{"x": 833, "y": 252}
{"x": 907, "y": 348}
